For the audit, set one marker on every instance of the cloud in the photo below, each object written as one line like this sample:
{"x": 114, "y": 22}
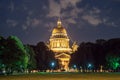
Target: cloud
{"x": 30, "y": 13}
{"x": 109, "y": 23}
{"x": 28, "y": 21}
{"x": 92, "y": 16}
{"x": 54, "y": 9}
{"x": 11, "y": 6}
{"x": 50, "y": 26}
{"x": 95, "y": 11}
{"x": 67, "y": 3}
{"x": 92, "y": 19}
{"x": 25, "y": 8}
{"x": 61, "y": 9}
{"x": 44, "y": 7}
{"x": 11, "y": 22}
{"x": 31, "y": 22}
{"x": 72, "y": 13}
{"x": 68, "y": 10}
{"x": 24, "y": 27}
{"x": 35, "y": 22}
{"x": 70, "y": 20}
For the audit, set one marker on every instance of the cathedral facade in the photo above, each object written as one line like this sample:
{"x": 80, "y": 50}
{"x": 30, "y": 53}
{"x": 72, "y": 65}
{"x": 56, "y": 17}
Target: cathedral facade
{"x": 59, "y": 44}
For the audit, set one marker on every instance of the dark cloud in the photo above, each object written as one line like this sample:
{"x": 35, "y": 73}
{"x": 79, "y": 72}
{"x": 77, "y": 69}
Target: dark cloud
{"x": 11, "y": 23}
{"x": 33, "y": 20}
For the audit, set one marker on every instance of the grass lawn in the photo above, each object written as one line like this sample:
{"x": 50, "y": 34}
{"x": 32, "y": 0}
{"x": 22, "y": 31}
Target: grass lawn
{"x": 63, "y": 76}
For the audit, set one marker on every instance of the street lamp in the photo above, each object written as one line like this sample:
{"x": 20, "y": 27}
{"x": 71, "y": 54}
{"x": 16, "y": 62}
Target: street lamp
{"x": 89, "y": 65}
{"x": 52, "y": 64}
{"x": 74, "y": 66}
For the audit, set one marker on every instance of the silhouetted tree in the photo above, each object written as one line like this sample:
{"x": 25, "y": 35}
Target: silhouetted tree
{"x": 98, "y": 53}
{"x": 113, "y": 61}
{"x": 43, "y": 56}
{"x": 14, "y": 56}
{"x": 2, "y": 50}
{"x": 83, "y": 56}
{"x": 31, "y": 58}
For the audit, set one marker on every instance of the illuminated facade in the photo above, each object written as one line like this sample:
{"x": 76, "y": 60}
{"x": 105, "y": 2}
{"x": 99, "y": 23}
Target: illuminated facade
{"x": 59, "y": 43}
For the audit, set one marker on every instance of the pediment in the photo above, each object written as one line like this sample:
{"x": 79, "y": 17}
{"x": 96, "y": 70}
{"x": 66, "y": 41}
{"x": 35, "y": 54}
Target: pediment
{"x": 63, "y": 55}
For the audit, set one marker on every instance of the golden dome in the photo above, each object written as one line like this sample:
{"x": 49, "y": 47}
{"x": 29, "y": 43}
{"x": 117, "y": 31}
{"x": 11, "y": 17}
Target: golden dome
{"x": 59, "y": 30}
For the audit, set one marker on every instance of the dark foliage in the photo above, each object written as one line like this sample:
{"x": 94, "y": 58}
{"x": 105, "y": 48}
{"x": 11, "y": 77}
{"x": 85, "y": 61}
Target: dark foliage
{"x": 43, "y": 56}
{"x": 16, "y": 56}
{"x": 99, "y": 53}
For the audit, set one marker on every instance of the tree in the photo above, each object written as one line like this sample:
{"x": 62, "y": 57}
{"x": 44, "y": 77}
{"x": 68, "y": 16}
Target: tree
{"x": 113, "y": 61}
{"x": 83, "y": 56}
{"x": 31, "y": 58}
{"x": 43, "y": 56}
{"x": 113, "y": 53}
{"x": 14, "y": 57}
{"x": 2, "y": 49}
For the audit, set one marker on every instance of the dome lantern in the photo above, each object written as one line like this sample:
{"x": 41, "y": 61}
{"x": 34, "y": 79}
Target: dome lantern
{"x": 59, "y": 23}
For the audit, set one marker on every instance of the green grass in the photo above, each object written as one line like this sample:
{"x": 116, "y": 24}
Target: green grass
{"x": 63, "y": 76}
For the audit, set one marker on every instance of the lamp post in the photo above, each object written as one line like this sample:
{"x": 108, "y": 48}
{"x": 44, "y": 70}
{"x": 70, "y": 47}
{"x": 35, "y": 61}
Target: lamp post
{"x": 89, "y": 67}
{"x": 74, "y": 66}
{"x": 81, "y": 70}
{"x": 101, "y": 68}
{"x": 52, "y": 64}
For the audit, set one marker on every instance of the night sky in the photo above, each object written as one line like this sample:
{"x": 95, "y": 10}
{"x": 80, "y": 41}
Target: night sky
{"x": 85, "y": 20}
